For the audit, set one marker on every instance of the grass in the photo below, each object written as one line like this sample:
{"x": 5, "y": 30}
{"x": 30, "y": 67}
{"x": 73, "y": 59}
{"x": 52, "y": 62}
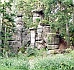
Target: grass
{"x": 14, "y": 63}
{"x": 50, "y": 62}
{"x": 56, "y": 62}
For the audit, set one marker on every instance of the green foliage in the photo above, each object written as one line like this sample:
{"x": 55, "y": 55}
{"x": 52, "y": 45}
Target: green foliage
{"x": 51, "y": 62}
{"x": 31, "y": 51}
{"x": 22, "y": 49}
{"x": 71, "y": 28}
{"x": 35, "y": 52}
{"x": 37, "y": 20}
{"x": 13, "y": 64}
{"x": 57, "y": 62}
{"x": 45, "y": 22}
{"x": 68, "y": 2}
{"x": 11, "y": 54}
{"x": 7, "y": 24}
{"x": 34, "y": 25}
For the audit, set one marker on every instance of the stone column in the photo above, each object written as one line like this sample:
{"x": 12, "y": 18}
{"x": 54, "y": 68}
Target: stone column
{"x": 0, "y": 26}
{"x": 46, "y": 30}
{"x": 32, "y": 33}
{"x": 39, "y": 40}
{"x": 39, "y": 32}
{"x": 19, "y": 26}
{"x": 42, "y": 32}
{"x": 16, "y": 41}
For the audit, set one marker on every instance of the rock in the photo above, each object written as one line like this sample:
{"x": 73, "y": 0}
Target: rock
{"x": 50, "y": 52}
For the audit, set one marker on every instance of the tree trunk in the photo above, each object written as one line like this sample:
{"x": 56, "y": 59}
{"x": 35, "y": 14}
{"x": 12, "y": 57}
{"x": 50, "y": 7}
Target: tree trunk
{"x": 67, "y": 33}
{"x": 73, "y": 24}
{"x": 3, "y": 33}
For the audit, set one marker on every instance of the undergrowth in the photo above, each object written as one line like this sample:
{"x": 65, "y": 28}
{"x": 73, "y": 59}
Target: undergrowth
{"x": 50, "y": 62}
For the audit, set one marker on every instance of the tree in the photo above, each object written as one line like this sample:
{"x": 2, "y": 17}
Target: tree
{"x": 59, "y": 14}
{"x": 7, "y": 24}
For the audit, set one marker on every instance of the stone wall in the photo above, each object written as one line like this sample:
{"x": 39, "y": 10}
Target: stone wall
{"x": 26, "y": 37}
{"x": 42, "y": 32}
{"x": 44, "y": 38}
{"x": 21, "y": 35}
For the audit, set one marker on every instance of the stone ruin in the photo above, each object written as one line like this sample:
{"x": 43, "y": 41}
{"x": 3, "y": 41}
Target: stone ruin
{"x": 43, "y": 38}
{"x": 40, "y": 37}
{"x": 21, "y": 36}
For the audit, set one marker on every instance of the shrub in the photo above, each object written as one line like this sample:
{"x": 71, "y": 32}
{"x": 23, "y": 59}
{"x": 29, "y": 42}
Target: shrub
{"x": 22, "y": 49}
{"x": 31, "y": 51}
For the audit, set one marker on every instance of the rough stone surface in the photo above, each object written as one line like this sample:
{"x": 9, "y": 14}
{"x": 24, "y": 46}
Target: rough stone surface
{"x": 41, "y": 39}
{"x": 21, "y": 36}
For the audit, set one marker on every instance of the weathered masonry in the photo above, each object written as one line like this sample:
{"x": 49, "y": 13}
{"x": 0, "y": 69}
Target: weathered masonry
{"x": 42, "y": 37}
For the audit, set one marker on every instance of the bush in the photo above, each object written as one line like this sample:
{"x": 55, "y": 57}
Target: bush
{"x": 31, "y": 51}
{"x": 44, "y": 22}
{"x": 35, "y": 52}
{"x": 22, "y": 49}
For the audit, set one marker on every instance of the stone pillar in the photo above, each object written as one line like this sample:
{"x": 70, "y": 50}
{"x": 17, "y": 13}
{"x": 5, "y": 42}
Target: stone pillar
{"x": 0, "y": 26}
{"x": 46, "y": 30}
{"x": 16, "y": 41}
{"x": 42, "y": 32}
{"x": 26, "y": 37}
{"x": 32, "y": 33}
{"x": 39, "y": 32}
{"x": 18, "y": 38}
{"x": 37, "y": 15}
{"x": 39, "y": 40}
{"x": 19, "y": 26}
